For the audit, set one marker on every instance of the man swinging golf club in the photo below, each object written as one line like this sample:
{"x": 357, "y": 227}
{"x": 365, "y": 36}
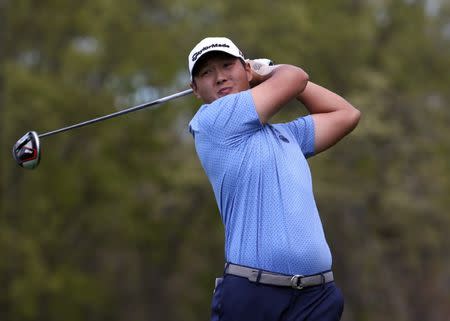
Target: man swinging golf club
{"x": 278, "y": 263}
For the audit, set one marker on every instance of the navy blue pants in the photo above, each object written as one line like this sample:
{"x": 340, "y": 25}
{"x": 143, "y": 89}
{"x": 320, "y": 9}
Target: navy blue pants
{"x": 236, "y": 298}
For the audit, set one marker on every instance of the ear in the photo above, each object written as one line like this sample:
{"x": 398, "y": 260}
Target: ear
{"x": 195, "y": 89}
{"x": 248, "y": 70}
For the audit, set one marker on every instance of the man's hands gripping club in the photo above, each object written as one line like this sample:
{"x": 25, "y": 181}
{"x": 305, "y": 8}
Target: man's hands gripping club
{"x": 273, "y": 86}
{"x": 261, "y": 69}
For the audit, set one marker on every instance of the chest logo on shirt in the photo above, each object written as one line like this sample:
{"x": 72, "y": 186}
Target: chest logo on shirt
{"x": 280, "y": 136}
{"x": 284, "y": 139}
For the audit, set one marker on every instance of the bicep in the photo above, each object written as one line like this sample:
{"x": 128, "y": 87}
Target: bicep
{"x": 329, "y": 128}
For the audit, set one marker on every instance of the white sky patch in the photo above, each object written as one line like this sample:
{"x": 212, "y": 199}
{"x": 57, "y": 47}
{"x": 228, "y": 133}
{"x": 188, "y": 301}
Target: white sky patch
{"x": 432, "y": 7}
{"x": 86, "y": 45}
{"x": 144, "y": 94}
{"x": 141, "y": 95}
{"x": 446, "y": 31}
{"x": 29, "y": 58}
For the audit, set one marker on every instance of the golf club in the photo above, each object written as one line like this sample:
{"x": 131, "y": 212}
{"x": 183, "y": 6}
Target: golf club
{"x": 27, "y": 150}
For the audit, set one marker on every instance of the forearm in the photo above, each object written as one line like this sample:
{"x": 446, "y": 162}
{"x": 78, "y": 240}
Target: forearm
{"x": 318, "y": 99}
{"x": 279, "y": 87}
{"x": 334, "y": 117}
{"x": 261, "y": 72}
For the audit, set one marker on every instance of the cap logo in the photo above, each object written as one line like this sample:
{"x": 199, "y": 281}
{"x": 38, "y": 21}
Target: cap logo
{"x": 215, "y": 45}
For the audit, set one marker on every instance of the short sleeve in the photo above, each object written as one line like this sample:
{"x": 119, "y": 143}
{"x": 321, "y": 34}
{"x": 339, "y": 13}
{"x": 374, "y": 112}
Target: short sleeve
{"x": 303, "y": 130}
{"x": 228, "y": 119}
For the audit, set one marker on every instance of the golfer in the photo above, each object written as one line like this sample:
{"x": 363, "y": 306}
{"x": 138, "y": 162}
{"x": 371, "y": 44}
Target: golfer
{"x": 278, "y": 263}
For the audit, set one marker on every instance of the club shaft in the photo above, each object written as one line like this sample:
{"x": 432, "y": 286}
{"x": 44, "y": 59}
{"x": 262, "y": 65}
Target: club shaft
{"x": 119, "y": 113}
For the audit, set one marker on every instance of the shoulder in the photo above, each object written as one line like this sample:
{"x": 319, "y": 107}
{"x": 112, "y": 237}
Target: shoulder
{"x": 302, "y": 124}
{"x": 303, "y": 130}
{"x": 243, "y": 97}
{"x": 220, "y": 110}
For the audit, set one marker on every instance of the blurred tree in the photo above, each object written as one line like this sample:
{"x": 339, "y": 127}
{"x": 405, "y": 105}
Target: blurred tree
{"x": 119, "y": 221}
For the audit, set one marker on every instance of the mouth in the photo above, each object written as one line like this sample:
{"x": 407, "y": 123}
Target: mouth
{"x": 225, "y": 91}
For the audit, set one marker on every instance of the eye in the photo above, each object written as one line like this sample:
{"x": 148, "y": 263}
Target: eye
{"x": 204, "y": 72}
{"x": 228, "y": 64}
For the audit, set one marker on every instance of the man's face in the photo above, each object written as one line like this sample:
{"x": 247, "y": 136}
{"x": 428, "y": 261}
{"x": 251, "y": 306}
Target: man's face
{"x": 218, "y": 74}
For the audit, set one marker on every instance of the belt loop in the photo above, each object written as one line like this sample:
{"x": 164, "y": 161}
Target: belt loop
{"x": 258, "y": 278}
{"x": 322, "y": 276}
{"x": 226, "y": 267}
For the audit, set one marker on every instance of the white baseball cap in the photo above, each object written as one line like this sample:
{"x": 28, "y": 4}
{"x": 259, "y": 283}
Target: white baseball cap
{"x": 213, "y": 44}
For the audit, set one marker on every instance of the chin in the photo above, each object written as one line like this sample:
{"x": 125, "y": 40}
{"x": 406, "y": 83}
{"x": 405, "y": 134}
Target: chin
{"x": 210, "y": 100}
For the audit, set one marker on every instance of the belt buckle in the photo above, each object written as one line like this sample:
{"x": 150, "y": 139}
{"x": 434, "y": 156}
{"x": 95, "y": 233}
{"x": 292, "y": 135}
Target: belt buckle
{"x": 296, "y": 282}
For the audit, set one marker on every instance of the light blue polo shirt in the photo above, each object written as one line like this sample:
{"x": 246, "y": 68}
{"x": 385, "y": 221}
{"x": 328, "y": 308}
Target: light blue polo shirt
{"x": 262, "y": 185}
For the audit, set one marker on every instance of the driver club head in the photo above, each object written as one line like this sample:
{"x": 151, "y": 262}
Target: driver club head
{"x": 27, "y": 150}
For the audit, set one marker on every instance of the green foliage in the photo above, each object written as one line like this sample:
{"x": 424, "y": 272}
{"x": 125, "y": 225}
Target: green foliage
{"x": 119, "y": 221}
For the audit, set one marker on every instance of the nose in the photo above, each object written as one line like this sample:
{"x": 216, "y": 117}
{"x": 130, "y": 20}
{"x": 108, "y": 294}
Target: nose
{"x": 220, "y": 76}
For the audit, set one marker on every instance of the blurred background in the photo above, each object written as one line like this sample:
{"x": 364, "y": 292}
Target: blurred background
{"x": 119, "y": 221}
